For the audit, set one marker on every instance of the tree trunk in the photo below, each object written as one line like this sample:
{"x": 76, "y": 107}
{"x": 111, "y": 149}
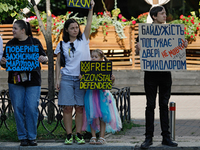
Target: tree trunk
{"x": 48, "y": 39}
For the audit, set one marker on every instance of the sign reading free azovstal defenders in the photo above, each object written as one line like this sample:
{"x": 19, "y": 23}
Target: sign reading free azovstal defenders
{"x": 96, "y": 75}
{"x": 162, "y": 47}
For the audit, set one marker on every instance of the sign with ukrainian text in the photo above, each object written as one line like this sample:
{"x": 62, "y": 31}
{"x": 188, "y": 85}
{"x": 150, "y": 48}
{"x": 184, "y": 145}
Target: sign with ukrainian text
{"x": 96, "y": 75}
{"x": 162, "y": 47}
{"x": 22, "y": 57}
{"x": 79, "y": 3}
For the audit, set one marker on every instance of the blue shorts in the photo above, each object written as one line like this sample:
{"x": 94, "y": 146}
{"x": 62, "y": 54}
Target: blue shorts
{"x": 70, "y": 93}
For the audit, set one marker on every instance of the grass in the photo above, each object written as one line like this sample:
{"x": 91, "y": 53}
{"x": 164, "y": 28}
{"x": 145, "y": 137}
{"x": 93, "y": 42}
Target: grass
{"x": 126, "y": 126}
{"x": 10, "y": 134}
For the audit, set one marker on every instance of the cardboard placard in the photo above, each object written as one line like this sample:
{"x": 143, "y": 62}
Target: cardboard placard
{"x": 162, "y": 47}
{"x": 79, "y": 3}
{"x": 22, "y": 57}
{"x": 96, "y": 75}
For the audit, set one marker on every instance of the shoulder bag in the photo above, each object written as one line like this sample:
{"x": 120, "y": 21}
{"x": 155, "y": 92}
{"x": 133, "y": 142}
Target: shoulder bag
{"x": 62, "y": 56}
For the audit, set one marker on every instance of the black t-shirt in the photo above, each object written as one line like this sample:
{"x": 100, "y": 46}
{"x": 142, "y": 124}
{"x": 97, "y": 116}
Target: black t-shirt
{"x": 35, "y": 76}
{"x": 137, "y": 39}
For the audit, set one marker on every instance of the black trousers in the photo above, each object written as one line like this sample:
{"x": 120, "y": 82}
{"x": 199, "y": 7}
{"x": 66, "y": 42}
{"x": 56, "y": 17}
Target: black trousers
{"x": 153, "y": 81}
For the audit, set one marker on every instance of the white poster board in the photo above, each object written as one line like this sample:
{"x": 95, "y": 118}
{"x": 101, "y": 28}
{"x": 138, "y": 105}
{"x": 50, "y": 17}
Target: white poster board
{"x": 162, "y": 47}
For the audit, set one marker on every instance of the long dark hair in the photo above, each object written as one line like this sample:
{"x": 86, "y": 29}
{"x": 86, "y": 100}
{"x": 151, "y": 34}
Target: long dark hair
{"x": 154, "y": 11}
{"x": 100, "y": 53}
{"x": 66, "y": 34}
{"x": 24, "y": 25}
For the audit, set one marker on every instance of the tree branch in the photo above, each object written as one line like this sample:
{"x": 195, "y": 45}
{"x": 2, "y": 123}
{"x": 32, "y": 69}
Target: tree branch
{"x": 41, "y": 25}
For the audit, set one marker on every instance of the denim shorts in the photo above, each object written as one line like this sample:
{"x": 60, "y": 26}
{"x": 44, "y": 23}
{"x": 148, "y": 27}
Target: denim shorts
{"x": 70, "y": 93}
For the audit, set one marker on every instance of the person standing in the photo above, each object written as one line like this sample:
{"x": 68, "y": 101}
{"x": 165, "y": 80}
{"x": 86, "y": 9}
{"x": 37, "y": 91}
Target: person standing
{"x": 152, "y": 81}
{"x": 25, "y": 93}
{"x": 101, "y": 110}
{"x": 75, "y": 46}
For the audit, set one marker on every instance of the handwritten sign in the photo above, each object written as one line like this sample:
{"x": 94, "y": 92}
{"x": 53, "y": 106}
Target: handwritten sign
{"x": 162, "y": 47}
{"x": 79, "y": 3}
{"x": 22, "y": 58}
{"x": 96, "y": 75}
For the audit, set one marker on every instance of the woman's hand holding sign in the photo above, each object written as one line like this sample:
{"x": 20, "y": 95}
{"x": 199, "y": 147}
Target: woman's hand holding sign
{"x": 186, "y": 43}
{"x": 92, "y": 4}
{"x": 113, "y": 78}
{"x": 3, "y": 62}
{"x": 43, "y": 59}
{"x": 137, "y": 47}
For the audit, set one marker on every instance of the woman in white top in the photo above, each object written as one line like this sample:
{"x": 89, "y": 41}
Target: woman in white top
{"x": 76, "y": 48}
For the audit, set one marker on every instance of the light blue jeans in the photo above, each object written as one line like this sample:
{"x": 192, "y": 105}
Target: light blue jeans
{"x": 70, "y": 93}
{"x": 25, "y": 101}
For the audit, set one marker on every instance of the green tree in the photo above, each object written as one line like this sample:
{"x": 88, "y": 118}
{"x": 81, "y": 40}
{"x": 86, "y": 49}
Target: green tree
{"x": 11, "y": 8}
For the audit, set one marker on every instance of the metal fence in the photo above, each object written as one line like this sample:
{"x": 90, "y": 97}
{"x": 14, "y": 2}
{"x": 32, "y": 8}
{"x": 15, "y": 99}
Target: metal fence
{"x": 122, "y": 97}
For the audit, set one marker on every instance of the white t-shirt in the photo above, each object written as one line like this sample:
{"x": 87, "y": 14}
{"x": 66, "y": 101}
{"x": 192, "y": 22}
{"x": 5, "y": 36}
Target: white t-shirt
{"x": 81, "y": 53}
{"x": 1, "y": 48}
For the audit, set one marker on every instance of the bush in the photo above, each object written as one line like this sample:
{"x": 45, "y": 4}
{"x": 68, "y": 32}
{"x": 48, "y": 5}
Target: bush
{"x": 11, "y": 8}
{"x": 191, "y": 23}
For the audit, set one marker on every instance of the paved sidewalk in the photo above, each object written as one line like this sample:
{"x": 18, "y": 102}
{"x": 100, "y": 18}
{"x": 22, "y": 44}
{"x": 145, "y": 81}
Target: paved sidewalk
{"x": 187, "y": 129}
{"x": 187, "y": 114}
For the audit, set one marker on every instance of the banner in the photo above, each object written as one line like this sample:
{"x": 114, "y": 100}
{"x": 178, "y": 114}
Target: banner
{"x": 162, "y": 47}
{"x": 22, "y": 57}
{"x": 79, "y": 3}
{"x": 96, "y": 75}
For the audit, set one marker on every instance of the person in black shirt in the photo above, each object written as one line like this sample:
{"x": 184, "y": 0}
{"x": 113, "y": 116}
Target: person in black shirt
{"x": 24, "y": 86}
{"x": 153, "y": 80}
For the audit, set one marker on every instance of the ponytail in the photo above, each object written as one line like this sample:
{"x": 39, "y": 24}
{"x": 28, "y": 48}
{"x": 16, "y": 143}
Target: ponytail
{"x": 105, "y": 58}
{"x": 29, "y": 31}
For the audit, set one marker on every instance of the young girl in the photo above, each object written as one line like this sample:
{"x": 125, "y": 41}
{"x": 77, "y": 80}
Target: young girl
{"x": 76, "y": 48}
{"x": 100, "y": 107}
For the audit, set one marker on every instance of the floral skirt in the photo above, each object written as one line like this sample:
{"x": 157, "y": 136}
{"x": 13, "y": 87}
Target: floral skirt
{"x": 100, "y": 104}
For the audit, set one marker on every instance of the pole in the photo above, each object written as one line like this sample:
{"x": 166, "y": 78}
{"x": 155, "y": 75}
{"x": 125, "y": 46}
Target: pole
{"x": 172, "y": 119}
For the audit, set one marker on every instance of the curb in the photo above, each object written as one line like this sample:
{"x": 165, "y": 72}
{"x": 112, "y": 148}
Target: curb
{"x": 108, "y": 146}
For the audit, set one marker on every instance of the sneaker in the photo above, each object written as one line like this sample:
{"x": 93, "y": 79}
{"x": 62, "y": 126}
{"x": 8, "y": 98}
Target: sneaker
{"x": 79, "y": 139}
{"x": 69, "y": 139}
{"x": 32, "y": 142}
{"x": 24, "y": 142}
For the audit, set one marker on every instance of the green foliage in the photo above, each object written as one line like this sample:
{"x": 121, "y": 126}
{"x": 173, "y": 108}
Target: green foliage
{"x": 192, "y": 24}
{"x": 42, "y": 134}
{"x": 7, "y": 135}
{"x": 58, "y": 134}
{"x": 100, "y": 19}
{"x": 57, "y": 6}
{"x": 11, "y": 8}
{"x": 142, "y": 18}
